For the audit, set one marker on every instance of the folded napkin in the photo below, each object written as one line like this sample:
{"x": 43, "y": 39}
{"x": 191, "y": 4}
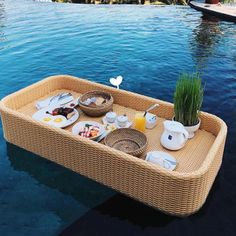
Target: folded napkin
{"x": 60, "y": 99}
{"x": 162, "y": 159}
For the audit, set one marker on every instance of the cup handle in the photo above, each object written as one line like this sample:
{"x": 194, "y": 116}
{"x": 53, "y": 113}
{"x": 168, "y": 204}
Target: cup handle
{"x": 186, "y": 134}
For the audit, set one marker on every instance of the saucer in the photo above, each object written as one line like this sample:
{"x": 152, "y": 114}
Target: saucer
{"x": 105, "y": 122}
{"x": 162, "y": 159}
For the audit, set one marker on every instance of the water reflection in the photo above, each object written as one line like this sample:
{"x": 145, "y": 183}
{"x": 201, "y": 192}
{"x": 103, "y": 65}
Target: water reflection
{"x": 205, "y": 38}
{"x": 119, "y": 215}
{"x": 86, "y": 191}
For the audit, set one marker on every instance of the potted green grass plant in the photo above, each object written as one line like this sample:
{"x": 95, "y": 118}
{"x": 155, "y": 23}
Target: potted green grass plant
{"x": 188, "y": 99}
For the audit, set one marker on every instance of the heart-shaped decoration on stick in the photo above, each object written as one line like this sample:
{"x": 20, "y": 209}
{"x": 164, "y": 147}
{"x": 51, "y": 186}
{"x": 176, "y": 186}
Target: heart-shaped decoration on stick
{"x": 116, "y": 81}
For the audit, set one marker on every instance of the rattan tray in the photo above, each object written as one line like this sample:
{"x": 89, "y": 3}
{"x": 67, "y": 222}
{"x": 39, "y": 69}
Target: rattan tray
{"x": 180, "y": 192}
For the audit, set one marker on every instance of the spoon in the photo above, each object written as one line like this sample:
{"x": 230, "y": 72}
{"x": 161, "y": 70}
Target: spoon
{"x": 150, "y": 108}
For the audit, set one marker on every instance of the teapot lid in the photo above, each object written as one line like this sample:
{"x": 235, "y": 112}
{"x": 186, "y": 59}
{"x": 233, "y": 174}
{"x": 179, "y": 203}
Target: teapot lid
{"x": 173, "y": 126}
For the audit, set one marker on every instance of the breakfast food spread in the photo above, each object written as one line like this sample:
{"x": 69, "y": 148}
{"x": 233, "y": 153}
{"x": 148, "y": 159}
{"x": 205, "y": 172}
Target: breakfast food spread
{"x": 56, "y": 121}
{"x": 89, "y": 131}
{"x": 64, "y": 111}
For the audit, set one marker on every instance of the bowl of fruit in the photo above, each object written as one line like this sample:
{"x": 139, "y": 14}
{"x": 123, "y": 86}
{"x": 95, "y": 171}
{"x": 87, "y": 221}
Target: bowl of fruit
{"x": 88, "y": 129}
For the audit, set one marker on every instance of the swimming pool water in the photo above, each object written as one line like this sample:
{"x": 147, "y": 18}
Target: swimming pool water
{"x": 149, "y": 46}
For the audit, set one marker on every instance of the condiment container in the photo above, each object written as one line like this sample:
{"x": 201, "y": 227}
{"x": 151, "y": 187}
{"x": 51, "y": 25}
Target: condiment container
{"x": 122, "y": 121}
{"x": 151, "y": 120}
{"x": 111, "y": 117}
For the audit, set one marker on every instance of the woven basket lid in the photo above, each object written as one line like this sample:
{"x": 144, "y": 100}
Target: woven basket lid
{"x": 127, "y": 140}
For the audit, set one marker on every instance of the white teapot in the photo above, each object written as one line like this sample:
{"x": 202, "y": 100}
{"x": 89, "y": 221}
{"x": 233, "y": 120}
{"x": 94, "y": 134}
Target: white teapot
{"x": 174, "y": 136}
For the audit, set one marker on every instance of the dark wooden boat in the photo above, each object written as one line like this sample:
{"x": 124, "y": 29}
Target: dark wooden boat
{"x": 223, "y": 12}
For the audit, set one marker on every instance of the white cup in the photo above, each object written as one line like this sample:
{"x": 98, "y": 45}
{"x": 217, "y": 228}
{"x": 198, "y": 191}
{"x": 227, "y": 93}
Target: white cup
{"x": 122, "y": 121}
{"x": 111, "y": 117}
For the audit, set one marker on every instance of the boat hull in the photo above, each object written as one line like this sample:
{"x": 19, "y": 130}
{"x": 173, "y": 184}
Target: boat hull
{"x": 219, "y": 11}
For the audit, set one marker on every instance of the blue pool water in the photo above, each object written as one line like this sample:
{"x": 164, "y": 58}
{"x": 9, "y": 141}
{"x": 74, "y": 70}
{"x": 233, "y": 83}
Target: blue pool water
{"x": 149, "y": 46}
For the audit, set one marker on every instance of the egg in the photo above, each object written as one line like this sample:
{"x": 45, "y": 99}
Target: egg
{"x": 47, "y": 119}
{"x": 58, "y": 120}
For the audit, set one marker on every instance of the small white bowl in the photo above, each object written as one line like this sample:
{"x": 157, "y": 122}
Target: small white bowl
{"x": 111, "y": 117}
{"x": 122, "y": 121}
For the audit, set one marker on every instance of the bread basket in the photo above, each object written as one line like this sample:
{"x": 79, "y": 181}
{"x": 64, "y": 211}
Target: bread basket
{"x": 128, "y": 140}
{"x": 98, "y": 110}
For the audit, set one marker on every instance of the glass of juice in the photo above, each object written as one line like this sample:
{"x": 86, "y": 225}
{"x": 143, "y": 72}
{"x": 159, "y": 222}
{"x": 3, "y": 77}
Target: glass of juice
{"x": 140, "y": 121}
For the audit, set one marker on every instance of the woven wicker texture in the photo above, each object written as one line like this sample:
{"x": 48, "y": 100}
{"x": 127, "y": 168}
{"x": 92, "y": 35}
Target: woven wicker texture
{"x": 130, "y": 141}
{"x": 181, "y": 192}
{"x": 189, "y": 158}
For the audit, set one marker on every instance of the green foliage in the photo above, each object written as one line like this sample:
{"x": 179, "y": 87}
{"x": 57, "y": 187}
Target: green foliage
{"x": 188, "y": 99}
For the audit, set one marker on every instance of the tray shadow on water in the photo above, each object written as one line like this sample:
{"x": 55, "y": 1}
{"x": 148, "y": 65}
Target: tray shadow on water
{"x": 91, "y": 194}
{"x": 82, "y": 189}
{"x": 107, "y": 207}
{"x": 113, "y": 212}
{"x": 120, "y": 215}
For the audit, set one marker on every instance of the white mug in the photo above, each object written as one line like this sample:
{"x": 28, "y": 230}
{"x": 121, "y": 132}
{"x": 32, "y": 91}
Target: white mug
{"x": 111, "y": 117}
{"x": 122, "y": 121}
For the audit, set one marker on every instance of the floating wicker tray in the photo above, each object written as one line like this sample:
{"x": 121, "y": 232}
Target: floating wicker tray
{"x": 180, "y": 192}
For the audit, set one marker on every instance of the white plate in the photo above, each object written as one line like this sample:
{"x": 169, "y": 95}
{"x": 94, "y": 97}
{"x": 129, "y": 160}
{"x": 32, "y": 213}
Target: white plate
{"x": 42, "y": 116}
{"x": 77, "y": 127}
{"x": 102, "y": 136}
{"x": 162, "y": 159}
{"x": 105, "y": 122}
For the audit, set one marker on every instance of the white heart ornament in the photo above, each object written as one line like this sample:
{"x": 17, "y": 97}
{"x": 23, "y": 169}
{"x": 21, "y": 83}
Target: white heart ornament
{"x": 116, "y": 82}
{"x": 119, "y": 79}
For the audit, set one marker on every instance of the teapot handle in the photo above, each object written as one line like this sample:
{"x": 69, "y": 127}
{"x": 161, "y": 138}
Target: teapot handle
{"x": 186, "y": 134}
